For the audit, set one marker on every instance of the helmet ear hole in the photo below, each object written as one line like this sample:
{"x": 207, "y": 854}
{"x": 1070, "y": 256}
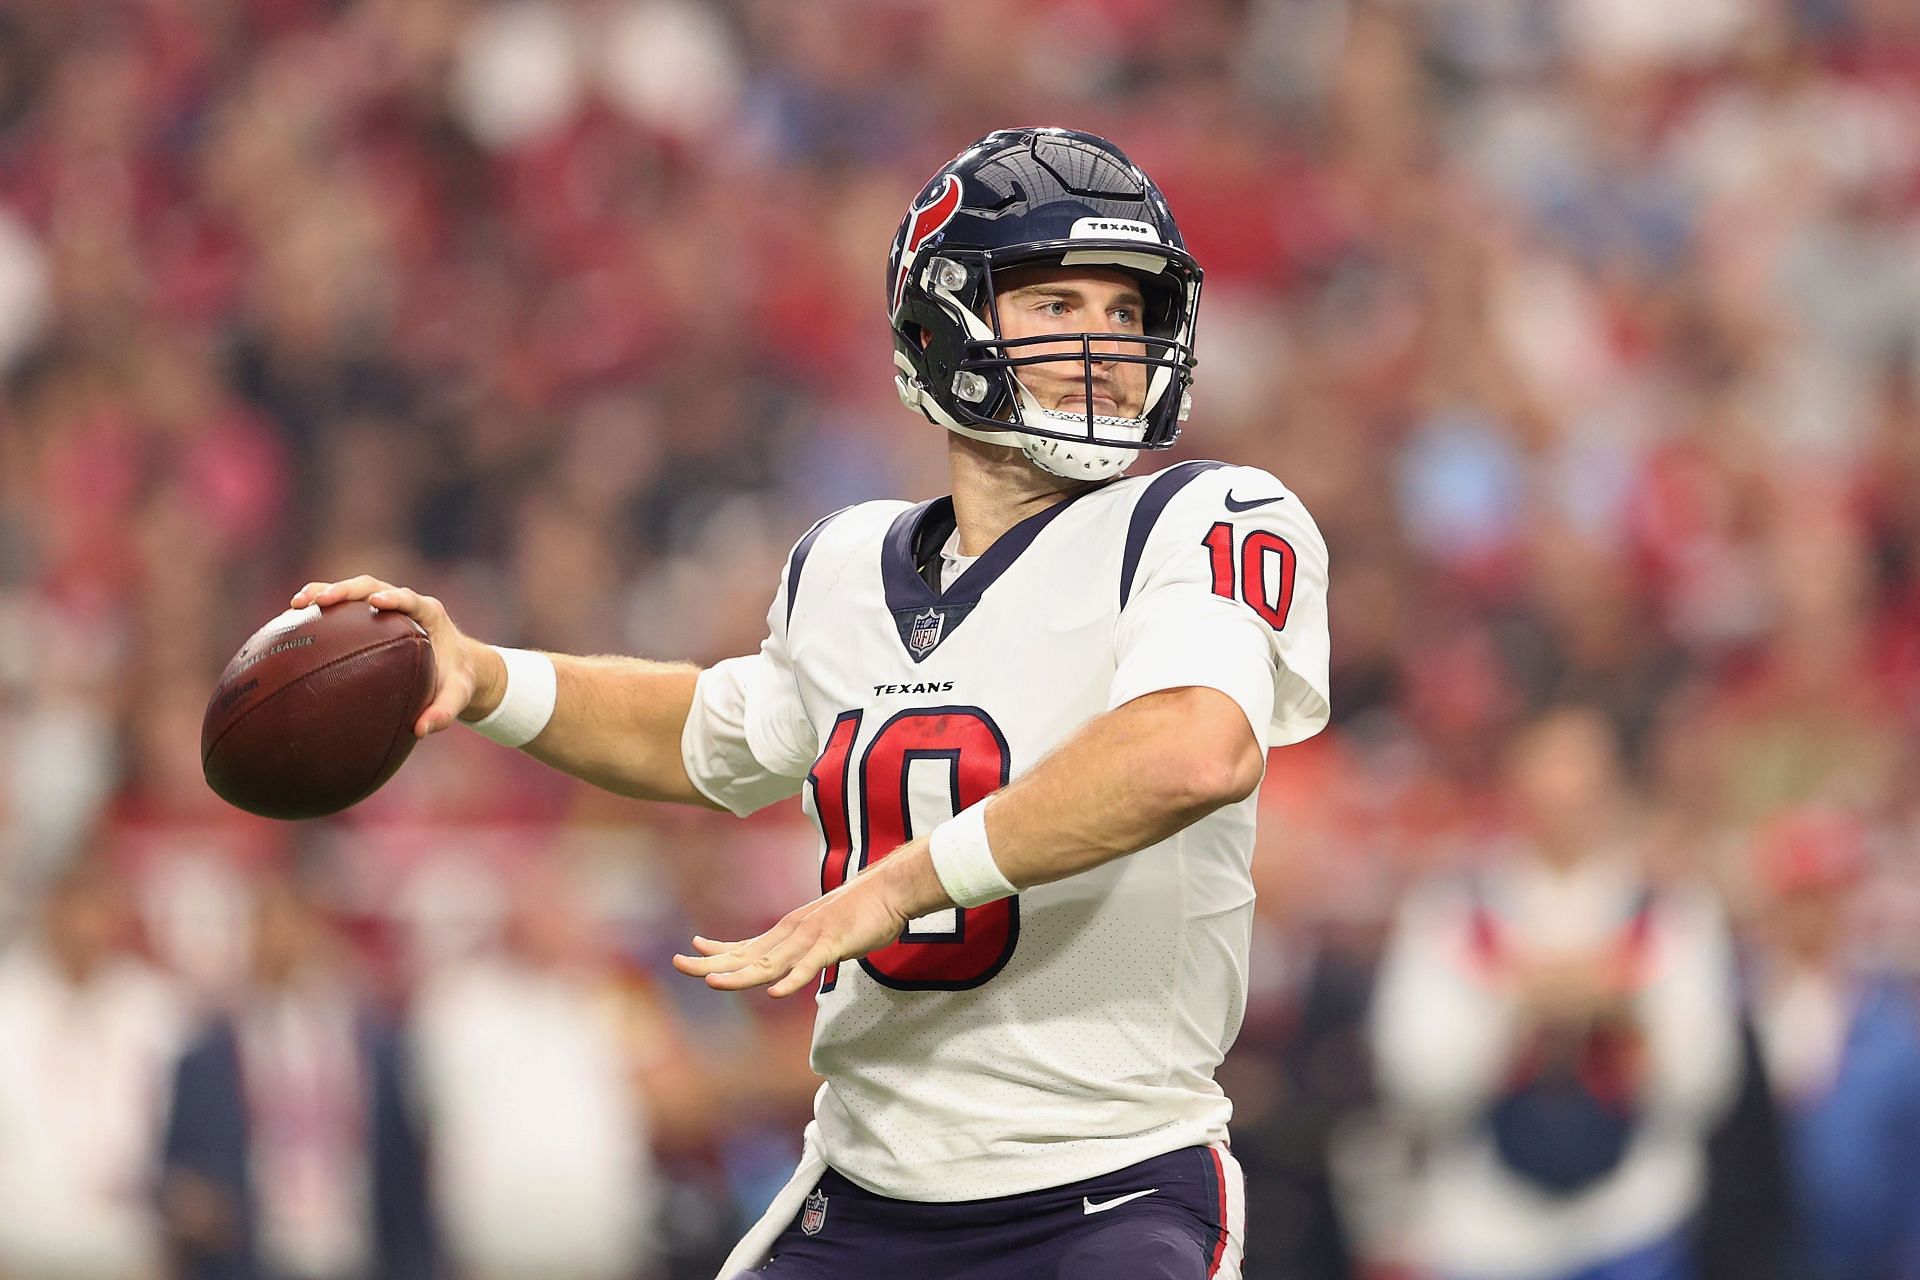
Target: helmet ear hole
{"x": 1164, "y": 303}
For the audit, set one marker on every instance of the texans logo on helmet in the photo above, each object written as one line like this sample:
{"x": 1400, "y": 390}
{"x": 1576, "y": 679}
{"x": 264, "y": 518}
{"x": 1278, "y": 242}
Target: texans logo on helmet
{"x": 923, "y": 221}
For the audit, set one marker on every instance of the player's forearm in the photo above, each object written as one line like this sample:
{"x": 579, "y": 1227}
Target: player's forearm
{"x": 1127, "y": 780}
{"x": 616, "y": 722}
{"x": 1130, "y": 779}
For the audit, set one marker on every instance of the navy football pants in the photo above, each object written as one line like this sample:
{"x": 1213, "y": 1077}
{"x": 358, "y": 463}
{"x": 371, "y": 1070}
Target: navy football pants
{"x": 1174, "y": 1217}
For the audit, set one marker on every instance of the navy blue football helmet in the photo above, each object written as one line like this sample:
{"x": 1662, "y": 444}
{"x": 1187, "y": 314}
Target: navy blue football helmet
{"x": 1021, "y": 197}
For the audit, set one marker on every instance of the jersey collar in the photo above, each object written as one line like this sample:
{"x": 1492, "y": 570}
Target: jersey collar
{"x": 923, "y": 616}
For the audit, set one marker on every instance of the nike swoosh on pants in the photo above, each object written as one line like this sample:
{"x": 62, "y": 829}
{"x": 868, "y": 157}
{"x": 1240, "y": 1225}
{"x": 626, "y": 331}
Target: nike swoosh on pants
{"x": 1088, "y": 1206}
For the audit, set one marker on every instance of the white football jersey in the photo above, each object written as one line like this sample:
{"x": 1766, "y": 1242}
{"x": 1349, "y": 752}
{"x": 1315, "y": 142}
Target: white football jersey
{"x": 1073, "y": 1029}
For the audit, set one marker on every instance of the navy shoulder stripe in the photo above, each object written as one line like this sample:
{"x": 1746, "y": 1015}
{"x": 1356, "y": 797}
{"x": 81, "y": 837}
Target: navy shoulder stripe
{"x": 798, "y": 560}
{"x": 1146, "y": 513}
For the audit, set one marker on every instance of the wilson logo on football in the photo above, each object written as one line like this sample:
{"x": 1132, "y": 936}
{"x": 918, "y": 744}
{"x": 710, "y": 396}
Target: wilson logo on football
{"x": 923, "y": 222}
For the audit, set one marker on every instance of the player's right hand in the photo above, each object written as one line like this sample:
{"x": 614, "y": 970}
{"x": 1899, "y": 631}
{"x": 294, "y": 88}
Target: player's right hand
{"x": 468, "y": 675}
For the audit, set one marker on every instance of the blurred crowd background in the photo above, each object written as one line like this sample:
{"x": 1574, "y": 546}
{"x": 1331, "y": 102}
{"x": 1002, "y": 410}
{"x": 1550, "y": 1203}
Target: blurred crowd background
{"x": 1588, "y": 329}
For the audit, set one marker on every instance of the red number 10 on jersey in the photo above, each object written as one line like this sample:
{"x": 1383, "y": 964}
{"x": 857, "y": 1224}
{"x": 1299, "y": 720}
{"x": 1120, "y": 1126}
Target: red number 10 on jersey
{"x": 971, "y": 747}
{"x": 1270, "y": 601}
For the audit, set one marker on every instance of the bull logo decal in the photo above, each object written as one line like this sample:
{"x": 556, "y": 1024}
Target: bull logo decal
{"x": 923, "y": 221}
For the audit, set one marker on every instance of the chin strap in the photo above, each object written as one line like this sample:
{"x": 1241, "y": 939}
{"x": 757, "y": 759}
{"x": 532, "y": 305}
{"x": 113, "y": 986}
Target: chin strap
{"x": 1068, "y": 459}
{"x": 1077, "y": 460}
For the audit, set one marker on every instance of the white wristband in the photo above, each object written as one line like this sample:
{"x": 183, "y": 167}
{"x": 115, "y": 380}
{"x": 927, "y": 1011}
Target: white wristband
{"x": 964, "y": 862}
{"x": 532, "y": 688}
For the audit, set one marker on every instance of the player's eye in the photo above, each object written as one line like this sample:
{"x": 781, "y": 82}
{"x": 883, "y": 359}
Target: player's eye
{"x": 1054, "y": 308}
{"x": 1125, "y": 316}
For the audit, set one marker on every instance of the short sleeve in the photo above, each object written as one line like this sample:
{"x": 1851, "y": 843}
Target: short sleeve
{"x": 1231, "y": 594}
{"x": 748, "y": 742}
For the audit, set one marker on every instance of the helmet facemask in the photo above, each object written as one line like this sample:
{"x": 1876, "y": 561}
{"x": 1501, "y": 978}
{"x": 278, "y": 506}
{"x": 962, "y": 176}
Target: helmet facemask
{"x": 985, "y": 393}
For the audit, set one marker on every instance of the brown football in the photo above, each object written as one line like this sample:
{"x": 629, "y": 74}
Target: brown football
{"x": 317, "y": 710}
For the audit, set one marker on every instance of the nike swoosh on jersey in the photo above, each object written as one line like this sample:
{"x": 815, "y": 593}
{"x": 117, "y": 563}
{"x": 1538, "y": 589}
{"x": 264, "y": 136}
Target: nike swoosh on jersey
{"x": 1235, "y": 504}
{"x": 1088, "y": 1206}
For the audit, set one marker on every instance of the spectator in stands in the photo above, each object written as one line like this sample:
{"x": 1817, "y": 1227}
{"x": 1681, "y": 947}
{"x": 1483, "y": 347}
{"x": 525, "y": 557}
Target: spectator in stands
{"x": 531, "y": 1088}
{"x": 1561, "y": 1033}
{"x": 290, "y": 1153}
{"x": 88, "y": 1034}
{"x": 1842, "y": 1043}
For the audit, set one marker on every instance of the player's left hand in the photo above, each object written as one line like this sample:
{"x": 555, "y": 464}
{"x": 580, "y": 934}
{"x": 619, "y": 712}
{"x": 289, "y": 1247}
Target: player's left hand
{"x": 863, "y": 915}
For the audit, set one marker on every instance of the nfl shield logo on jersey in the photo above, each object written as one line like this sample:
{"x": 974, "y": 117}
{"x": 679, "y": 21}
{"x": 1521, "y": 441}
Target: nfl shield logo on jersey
{"x": 926, "y": 630}
{"x": 814, "y": 1215}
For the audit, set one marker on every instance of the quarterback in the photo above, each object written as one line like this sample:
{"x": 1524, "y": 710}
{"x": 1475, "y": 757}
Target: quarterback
{"x": 1030, "y": 719}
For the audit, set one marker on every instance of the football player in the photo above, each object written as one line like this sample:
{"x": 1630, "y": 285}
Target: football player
{"x": 1029, "y": 719}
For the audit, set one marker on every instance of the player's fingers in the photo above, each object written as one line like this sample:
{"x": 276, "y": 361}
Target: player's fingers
{"x": 797, "y": 980}
{"x": 790, "y": 965}
{"x": 358, "y": 587}
{"x": 423, "y": 609}
{"x": 734, "y": 956}
{"x": 455, "y": 692}
{"x": 757, "y": 974}
{"x": 729, "y": 969}
{"x": 753, "y": 967}
{"x": 802, "y": 973}
{"x": 306, "y": 593}
{"x": 394, "y": 599}
{"x": 820, "y": 952}
{"x": 724, "y": 957}
{"x": 455, "y": 684}
{"x": 739, "y": 980}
